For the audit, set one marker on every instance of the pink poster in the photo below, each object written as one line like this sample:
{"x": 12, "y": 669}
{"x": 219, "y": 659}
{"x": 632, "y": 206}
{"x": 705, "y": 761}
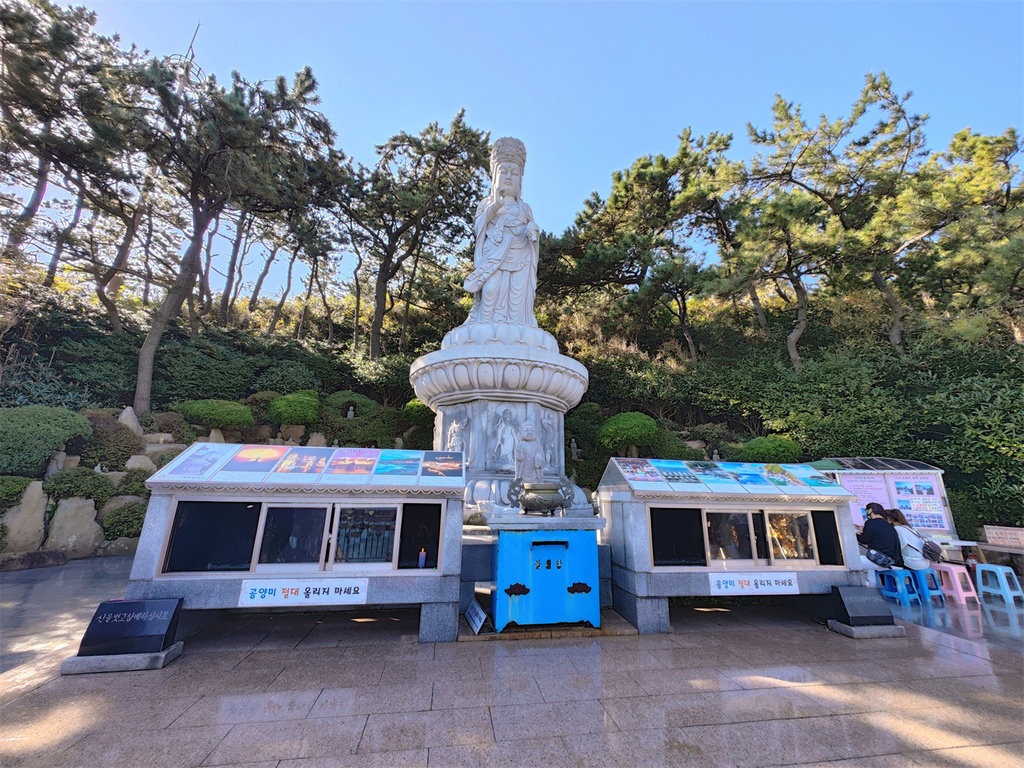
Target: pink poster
{"x": 868, "y": 488}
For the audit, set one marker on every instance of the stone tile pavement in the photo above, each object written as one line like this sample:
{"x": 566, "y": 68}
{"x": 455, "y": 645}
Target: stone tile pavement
{"x": 747, "y": 686}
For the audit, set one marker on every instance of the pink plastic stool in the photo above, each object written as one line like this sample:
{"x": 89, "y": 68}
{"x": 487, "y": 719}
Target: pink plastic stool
{"x": 955, "y": 582}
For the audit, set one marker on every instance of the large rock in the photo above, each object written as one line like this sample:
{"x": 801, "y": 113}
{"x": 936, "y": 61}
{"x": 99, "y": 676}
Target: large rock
{"x": 72, "y": 462}
{"x": 130, "y": 420}
{"x": 140, "y": 462}
{"x": 317, "y": 440}
{"x": 216, "y": 436}
{"x": 74, "y": 530}
{"x": 116, "y": 502}
{"x": 120, "y": 546}
{"x": 155, "y": 450}
{"x": 56, "y": 463}
{"x": 25, "y": 521}
{"x": 292, "y": 432}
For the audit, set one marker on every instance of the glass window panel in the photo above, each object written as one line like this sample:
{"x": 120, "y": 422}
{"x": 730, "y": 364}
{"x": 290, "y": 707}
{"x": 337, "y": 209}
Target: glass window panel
{"x": 213, "y": 536}
{"x": 365, "y": 535}
{"x": 421, "y": 530}
{"x": 729, "y": 536}
{"x": 826, "y": 535}
{"x": 760, "y": 535}
{"x": 293, "y": 535}
{"x": 676, "y": 536}
{"x": 790, "y": 536}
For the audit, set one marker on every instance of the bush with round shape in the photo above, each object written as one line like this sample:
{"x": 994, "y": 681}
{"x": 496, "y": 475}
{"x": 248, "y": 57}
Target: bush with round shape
{"x": 259, "y": 402}
{"x": 417, "y": 412}
{"x": 584, "y": 422}
{"x": 133, "y": 483}
{"x": 174, "y": 423}
{"x": 298, "y": 408}
{"x": 627, "y": 430}
{"x": 773, "y": 449}
{"x": 31, "y": 434}
{"x": 340, "y": 401}
{"x": 125, "y": 521}
{"x": 217, "y": 414}
{"x": 79, "y": 483}
{"x": 111, "y": 443}
{"x": 377, "y": 429}
{"x": 287, "y": 376}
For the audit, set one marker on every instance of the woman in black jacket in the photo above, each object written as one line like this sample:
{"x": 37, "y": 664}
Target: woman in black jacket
{"x": 878, "y": 533}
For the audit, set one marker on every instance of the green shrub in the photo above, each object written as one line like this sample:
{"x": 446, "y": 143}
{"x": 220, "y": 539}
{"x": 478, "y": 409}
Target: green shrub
{"x": 34, "y": 382}
{"x": 111, "y": 443}
{"x": 4, "y": 530}
{"x": 125, "y": 521}
{"x": 31, "y": 434}
{"x": 584, "y": 422}
{"x": 418, "y": 413}
{"x": 174, "y": 424}
{"x": 668, "y": 445}
{"x": 11, "y": 490}
{"x": 713, "y": 435}
{"x": 133, "y": 483}
{"x": 217, "y": 414}
{"x": 340, "y": 401}
{"x": 377, "y": 429}
{"x": 419, "y": 439}
{"x": 298, "y": 408}
{"x": 287, "y": 377}
{"x": 625, "y": 430}
{"x": 773, "y": 449}
{"x": 966, "y": 515}
{"x": 259, "y": 402}
{"x": 199, "y": 368}
{"x": 165, "y": 458}
{"x": 80, "y": 483}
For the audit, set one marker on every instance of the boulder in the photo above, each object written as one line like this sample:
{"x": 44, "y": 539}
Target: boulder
{"x": 119, "y": 547}
{"x": 114, "y": 477}
{"x": 25, "y": 521}
{"x": 292, "y": 432}
{"x": 216, "y": 436}
{"x": 25, "y": 560}
{"x": 140, "y": 462}
{"x": 56, "y": 463}
{"x": 155, "y": 450}
{"x": 317, "y": 440}
{"x": 72, "y": 462}
{"x": 130, "y": 420}
{"x": 74, "y": 530}
{"x": 158, "y": 437}
{"x": 116, "y": 502}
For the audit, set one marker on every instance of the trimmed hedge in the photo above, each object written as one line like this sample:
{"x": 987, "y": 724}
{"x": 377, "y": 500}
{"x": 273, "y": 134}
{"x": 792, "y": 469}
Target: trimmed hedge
{"x": 668, "y": 445}
{"x": 340, "y": 401}
{"x": 125, "y": 521}
{"x": 111, "y": 443}
{"x": 217, "y": 414}
{"x": 418, "y": 413}
{"x": 31, "y": 434}
{"x": 174, "y": 423}
{"x": 773, "y": 449}
{"x": 298, "y": 408}
{"x": 259, "y": 403}
{"x": 627, "y": 429}
{"x": 80, "y": 483}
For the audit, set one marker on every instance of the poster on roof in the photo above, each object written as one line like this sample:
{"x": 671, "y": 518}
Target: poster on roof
{"x": 813, "y": 478}
{"x": 396, "y": 467}
{"x": 197, "y": 462}
{"x": 714, "y": 477}
{"x": 350, "y": 466}
{"x": 251, "y": 464}
{"x": 751, "y": 476}
{"x": 642, "y": 475}
{"x": 678, "y": 476}
{"x": 442, "y": 468}
{"x": 301, "y": 466}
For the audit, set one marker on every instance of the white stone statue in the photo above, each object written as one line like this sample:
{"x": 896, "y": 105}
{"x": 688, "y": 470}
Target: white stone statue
{"x": 506, "y": 437}
{"x": 529, "y": 456}
{"x": 458, "y": 431}
{"x": 504, "y": 277}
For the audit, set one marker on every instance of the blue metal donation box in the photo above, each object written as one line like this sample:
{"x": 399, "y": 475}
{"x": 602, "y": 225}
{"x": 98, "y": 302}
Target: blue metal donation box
{"x": 545, "y": 571}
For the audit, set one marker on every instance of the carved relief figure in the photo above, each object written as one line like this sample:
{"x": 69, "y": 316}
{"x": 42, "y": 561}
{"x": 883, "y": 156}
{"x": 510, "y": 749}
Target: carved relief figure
{"x": 506, "y": 437}
{"x": 529, "y": 456}
{"x": 457, "y": 438}
{"x": 504, "y": 279}
{"x": 548, "y": 431}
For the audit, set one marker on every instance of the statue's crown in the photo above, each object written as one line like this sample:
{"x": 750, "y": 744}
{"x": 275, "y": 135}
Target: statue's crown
{"x": 508, "y": 150}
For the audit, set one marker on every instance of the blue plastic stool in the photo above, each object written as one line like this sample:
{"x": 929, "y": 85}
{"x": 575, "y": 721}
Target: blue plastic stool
{"x": 899, "y": 584}
{"x": 928, "y": 586}
{"x": 998, "y": 580}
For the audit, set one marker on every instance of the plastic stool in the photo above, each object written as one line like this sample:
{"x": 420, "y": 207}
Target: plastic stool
{"x": 998, "y": 580}
{"x": 928, "y": 587}
{"x": 955, "y": 582}
{"x": 899, "y": 584}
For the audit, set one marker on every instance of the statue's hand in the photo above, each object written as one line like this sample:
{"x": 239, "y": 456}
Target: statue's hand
{"x": 472, "y": 284}
{"x": 533, "y": 231}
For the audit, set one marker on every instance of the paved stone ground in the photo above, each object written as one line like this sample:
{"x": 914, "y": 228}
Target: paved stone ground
{"x": 758, "y": 686}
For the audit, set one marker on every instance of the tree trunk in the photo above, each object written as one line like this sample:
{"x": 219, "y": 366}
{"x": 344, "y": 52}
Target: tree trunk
{"x": 146, "y": 252}
{"x": 801, "y": 323}
{"x": 899, "y": 313}
{"x": 19, "y": 229}
{"x": 241, "y": 227}
{"x": 205, "y": 290}
{"x": 380, "y": 298}
{"x": 284, "y": 296}
{"x": 62, "y": 239}
{"x": 327, "y": 307}
{"x": 406, "y": 293}
{"x": 169, "y": 307}
{"x": 358, "y": 290}
{"x": 762, "y": 321}
{"x": 114, "y": 276}
{"x": 263, "y": 276}
{"x": 305, "y": 301}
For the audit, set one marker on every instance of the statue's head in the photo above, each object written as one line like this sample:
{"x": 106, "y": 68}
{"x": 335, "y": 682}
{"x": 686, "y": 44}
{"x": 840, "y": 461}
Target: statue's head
{"x": 506, "y": 415}
{"x": 508, "y": 159}
{"x": 528, "y": 432}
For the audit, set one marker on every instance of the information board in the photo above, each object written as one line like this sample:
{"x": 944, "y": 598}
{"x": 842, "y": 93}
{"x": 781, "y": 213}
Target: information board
{"x": 868, "y": 489}
{"x": 918, "y": 498}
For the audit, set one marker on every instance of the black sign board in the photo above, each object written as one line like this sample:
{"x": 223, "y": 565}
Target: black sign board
{"x": 131, "y": 626}
{"x": 861, "y": 606}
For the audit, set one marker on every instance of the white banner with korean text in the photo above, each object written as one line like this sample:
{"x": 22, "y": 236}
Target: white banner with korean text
{"x": 284, "y": 592}
{"x": 754, "y": 584}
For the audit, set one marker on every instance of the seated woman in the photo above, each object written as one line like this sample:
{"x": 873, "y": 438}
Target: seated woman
{"x": 911, "y": 543}
{"x": 878, "y": 534}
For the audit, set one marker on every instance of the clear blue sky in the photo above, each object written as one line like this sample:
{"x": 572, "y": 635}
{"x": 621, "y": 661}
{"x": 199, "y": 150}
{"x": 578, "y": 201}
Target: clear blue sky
{"x": 591, "y": 86}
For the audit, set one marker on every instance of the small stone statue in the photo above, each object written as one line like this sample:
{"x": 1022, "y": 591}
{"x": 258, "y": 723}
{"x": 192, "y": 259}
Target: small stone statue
{"x": 504, "y": 279}
{"x": 399, "y": 443}
{"x": 506, "y": 439}
{"x": 529, "y": 456}
{"x": 351, "y": 412}
{"x": 574, "y": 450}
{"x": 458, "y": 431}
{"x": 548, "y": 430}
